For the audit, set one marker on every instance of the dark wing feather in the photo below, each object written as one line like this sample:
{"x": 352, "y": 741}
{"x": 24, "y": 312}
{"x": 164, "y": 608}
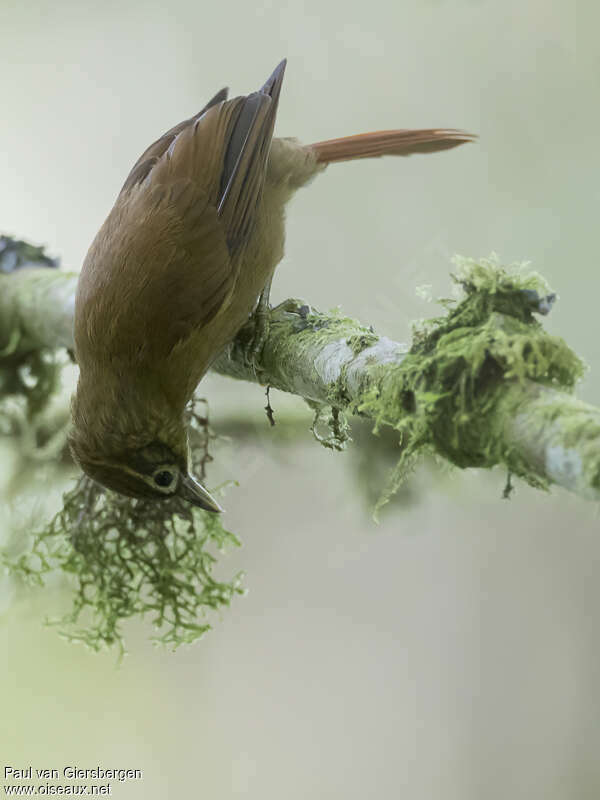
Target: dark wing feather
{"x": 150, "y": 156}
{"x": 245, "y": 161}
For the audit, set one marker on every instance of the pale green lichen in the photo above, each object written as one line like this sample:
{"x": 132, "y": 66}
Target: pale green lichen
{"x": 338, "y": 436}
{"x": 450, "y": 383}
{"x": 565, "y": 434}
{"x": 132, "y": 558}
{"x": 359, "y": 342}
{"x": 443, "y": 395}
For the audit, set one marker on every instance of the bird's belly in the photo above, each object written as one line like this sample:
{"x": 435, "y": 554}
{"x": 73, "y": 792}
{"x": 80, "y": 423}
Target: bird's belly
{"x": 263, "y": 252}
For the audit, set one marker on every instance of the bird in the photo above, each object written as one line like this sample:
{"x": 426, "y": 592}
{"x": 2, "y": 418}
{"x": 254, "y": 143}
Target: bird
{"x": 183, "y": 260}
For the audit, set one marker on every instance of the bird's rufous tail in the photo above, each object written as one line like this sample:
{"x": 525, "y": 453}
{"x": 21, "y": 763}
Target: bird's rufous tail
{"x": 389, "y": 143}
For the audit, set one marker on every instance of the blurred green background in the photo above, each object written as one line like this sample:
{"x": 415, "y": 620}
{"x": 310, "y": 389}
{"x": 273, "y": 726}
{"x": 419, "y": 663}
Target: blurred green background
{"x": 453, "y": 651}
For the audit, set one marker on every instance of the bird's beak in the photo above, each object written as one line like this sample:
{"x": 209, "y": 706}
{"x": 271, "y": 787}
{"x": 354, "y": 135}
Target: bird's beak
{"x": 195, "y": 493}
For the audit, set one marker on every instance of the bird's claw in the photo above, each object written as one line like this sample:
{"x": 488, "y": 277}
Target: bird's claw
{"x": 260, "y": 333}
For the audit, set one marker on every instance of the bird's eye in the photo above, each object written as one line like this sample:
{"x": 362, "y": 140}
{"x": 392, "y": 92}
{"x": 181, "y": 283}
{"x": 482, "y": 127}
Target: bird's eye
{"x": 163, "y": 478}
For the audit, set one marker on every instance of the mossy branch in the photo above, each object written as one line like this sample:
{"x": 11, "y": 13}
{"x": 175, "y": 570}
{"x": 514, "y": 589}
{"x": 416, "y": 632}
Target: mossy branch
{"x": 483, "y": 384}
{"x": 480, "y": 386}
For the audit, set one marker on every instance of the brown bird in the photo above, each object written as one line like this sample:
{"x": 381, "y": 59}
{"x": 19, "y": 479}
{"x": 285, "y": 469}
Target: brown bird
{"x": 175, "y": 271}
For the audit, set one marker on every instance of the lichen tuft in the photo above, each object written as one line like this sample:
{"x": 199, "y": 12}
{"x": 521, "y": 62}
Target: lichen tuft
{"x": 133, "y": 558}
{"x": 449, "y": 384}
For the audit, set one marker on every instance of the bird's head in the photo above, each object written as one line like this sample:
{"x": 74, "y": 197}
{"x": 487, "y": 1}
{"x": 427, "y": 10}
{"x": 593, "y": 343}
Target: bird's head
{"x": 128, "y": 439}
{"x": 152, "y": 472}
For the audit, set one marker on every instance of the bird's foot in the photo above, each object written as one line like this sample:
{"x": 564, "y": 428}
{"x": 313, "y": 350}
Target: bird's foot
{"x": 253, "y": 350}
{"x": 260, "y": 333}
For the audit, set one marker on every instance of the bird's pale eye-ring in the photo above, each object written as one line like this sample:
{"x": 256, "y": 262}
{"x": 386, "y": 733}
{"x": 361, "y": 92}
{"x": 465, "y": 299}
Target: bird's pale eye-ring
{"x": 164, "y": 478}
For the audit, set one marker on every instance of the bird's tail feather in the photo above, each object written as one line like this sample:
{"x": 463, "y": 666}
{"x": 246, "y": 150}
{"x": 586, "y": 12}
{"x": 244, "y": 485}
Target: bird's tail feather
{"x": 389, "y": 143}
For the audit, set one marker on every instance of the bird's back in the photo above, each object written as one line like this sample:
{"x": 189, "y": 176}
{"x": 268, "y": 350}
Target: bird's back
{"x": 167, "y": 262}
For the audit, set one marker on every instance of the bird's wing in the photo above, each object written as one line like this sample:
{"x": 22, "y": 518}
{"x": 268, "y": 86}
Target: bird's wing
{"x": 246, "y": 157}
{"x": 181, "y": 223}
{"x": 158, "y": 269}
{"x": 224, "y": 149}
{"x": 151, "y": 154}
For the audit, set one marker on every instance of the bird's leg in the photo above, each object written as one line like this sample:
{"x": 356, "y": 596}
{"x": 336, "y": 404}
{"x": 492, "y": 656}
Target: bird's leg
{"x": 260, "y": 320}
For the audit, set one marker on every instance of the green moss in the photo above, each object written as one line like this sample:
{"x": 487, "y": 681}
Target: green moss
{"x": 333, "y": 324}
{"x": 133, "y": 558}
{"x": 361, "y": 341}
{"x": 452, "y": 379}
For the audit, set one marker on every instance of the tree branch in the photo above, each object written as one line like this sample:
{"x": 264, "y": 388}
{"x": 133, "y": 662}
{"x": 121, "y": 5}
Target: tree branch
{"x": 483, "y": 385}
